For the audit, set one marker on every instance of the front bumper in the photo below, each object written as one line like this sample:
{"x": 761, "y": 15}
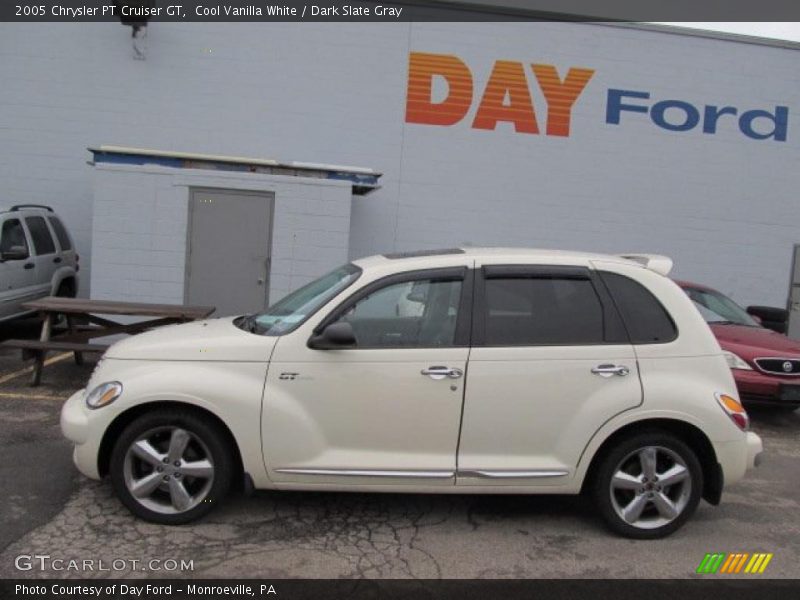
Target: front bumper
{"x": 757, "y": 388}
{"x": 75, "y": 417}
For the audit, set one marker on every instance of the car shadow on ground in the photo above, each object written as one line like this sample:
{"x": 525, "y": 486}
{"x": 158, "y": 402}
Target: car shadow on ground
{"x": 416, "y": 509}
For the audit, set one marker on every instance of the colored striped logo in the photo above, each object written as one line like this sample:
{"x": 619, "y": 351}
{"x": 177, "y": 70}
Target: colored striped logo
{"x": 736, "y": 562}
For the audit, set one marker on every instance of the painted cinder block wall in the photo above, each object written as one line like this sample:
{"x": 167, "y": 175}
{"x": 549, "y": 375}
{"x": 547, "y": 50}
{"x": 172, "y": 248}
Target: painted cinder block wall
{"x": 723, "y": 206}
{"x": 139, "y": 229}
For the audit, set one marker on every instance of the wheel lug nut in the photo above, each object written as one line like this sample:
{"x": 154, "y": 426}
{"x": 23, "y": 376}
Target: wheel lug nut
{"x": 165, "y": 460}
{"x": 177, "y": 463}
{"x": 160, "y": 469}
{"x": 166, "y": 477}
{"x": 177, "y": 475}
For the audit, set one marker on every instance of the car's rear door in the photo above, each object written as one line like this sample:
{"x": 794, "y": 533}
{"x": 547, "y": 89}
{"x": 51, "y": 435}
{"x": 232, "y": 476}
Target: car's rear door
{"x": 550, "y": 364}
{"x": 45, "y": 258}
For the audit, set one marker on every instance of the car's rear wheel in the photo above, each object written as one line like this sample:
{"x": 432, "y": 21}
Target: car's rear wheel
{"x": 171, "y": 466}
{"x": 648, "y": 485}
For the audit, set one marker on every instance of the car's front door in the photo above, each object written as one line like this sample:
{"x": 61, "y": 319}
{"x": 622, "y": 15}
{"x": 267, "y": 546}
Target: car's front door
{"x": 550, "y": 364}
{"x": 17, "y": 278}
{"x": 386, "y": 411}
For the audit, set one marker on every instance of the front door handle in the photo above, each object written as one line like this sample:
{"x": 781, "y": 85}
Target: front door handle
{"x": 607, "y": 370}
{"x": 442, "y": 372}
{"x": 29, "y": 266}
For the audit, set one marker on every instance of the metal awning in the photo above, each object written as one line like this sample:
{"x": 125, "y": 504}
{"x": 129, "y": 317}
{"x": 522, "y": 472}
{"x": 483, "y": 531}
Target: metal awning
{"x": 364, "y": 180}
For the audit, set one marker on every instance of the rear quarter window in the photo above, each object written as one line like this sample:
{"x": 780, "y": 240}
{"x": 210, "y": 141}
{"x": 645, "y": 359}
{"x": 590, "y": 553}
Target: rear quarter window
{"x": 61, "y": 233}
{"x": 645, "y": 318}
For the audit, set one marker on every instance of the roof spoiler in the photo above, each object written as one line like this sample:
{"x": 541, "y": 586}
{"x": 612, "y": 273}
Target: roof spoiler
{"x": 655, "y": 262}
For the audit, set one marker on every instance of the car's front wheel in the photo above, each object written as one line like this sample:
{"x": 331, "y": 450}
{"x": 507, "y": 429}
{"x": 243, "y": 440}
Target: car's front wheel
{"x": 648, "y": 485}
{"x": 171, "y": 466}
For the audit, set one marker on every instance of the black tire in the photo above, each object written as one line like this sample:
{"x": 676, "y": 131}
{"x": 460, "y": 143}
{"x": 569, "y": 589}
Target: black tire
{"x": 626, "y": 450}
{"x": 66, "y": 289}
{"x": 207, "y": 437}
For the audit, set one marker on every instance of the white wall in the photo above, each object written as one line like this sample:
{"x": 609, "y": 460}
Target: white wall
{"x": 140, "y": 220}
{"x": 723, "y": 206}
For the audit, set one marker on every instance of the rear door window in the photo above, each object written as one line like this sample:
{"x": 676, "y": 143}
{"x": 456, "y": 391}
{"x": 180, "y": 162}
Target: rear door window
{"x": 42, "y": 240}
{"x": 541, "y": 309}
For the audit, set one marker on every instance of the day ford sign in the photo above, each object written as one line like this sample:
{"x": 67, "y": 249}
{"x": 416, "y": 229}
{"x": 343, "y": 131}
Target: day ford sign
{"x": 506, "y": 98}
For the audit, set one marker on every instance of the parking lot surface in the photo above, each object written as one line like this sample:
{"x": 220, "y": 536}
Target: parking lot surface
{"x": 49, "y": 509}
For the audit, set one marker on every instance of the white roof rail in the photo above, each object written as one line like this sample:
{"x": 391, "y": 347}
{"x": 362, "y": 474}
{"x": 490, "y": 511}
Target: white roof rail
{"x": 655, "y": 262}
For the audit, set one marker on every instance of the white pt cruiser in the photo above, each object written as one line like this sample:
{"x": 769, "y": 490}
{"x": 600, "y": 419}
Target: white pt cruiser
{"x": 454, "y": 371}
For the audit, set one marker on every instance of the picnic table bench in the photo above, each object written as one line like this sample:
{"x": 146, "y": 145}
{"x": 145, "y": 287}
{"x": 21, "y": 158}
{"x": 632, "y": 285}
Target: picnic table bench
{"x": 84, "y": 324}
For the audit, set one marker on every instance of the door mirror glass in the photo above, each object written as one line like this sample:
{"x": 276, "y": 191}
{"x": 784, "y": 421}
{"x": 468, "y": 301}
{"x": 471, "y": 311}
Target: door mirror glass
{"x": 334, "y": 337}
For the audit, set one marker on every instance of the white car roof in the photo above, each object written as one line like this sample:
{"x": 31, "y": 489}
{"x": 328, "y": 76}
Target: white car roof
{"x": 434, "y": 258}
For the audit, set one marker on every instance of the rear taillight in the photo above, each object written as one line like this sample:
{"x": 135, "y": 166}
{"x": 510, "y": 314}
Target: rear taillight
{"x": 734, "y": 409}
{"x": 77, "y": 261}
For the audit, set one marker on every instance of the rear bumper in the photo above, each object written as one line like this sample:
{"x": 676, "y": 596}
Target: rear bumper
{"x": 755, "y": 450}
{"x": 736, "y": 458}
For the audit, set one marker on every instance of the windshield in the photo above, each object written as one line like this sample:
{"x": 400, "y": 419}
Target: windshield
{"x": 718, "y": 308}
{"x": 290, "y": 311}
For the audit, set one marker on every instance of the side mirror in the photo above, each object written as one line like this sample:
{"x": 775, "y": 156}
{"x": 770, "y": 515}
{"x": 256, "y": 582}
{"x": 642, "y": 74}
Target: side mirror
{"x": 14, "y": 253}
{"x": 770, "y": 317}
{"x": 335, "y": 336}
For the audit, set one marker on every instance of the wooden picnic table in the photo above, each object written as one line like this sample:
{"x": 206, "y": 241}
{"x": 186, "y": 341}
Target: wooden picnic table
{"x": 84, "y": 324}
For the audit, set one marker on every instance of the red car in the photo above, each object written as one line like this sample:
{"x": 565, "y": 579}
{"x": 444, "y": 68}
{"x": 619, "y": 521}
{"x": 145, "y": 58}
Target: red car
{"x": 766, "y": 364}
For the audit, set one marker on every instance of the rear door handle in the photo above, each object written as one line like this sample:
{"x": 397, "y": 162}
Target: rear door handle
{"x": 442, "y": 372}
{"x": 57, "y": 259}
{"x": 29, "y": 265}
{"x": 607, "y": 370}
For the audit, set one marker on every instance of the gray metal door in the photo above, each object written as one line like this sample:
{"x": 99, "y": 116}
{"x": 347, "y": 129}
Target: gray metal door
{"x": 794, "y": 297}
{"x": 229, "y": 250}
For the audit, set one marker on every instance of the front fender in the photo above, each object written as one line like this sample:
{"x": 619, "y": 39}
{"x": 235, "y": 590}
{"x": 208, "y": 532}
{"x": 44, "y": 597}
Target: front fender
{"x": 231, "y": 391}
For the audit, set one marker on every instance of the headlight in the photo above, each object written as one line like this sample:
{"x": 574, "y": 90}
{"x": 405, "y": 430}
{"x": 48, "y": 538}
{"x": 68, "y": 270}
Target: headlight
{"x": 104, "y": 394}
{"x": 736, "y": 362}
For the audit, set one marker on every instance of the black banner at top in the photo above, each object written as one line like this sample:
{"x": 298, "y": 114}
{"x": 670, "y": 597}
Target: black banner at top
{"x": 142, "y": 11}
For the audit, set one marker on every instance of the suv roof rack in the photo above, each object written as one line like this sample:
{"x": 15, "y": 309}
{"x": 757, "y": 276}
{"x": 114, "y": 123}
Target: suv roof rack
{"x": 42, "y": 206}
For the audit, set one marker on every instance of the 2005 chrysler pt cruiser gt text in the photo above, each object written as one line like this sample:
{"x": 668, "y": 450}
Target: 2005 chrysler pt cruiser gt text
{"x": 451, "y": 371}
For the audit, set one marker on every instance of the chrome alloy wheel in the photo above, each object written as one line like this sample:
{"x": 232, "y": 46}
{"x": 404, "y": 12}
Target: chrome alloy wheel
{"x": 168, "y": 470}
{"x": 650, "y": 487}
